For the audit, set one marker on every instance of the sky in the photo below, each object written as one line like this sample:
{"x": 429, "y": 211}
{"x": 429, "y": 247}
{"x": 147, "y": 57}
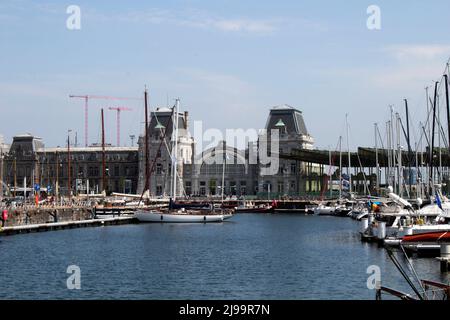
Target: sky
{"x": 228, "y": 62}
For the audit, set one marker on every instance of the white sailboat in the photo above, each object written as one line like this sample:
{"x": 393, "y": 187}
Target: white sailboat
{"x": 180, "y": 215}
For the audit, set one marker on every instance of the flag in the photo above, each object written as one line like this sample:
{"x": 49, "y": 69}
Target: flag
{"x": 438, "y": 201}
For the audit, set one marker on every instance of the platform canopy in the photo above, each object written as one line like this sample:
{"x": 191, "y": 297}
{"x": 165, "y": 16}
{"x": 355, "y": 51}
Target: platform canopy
{"x": 366, "y": 157}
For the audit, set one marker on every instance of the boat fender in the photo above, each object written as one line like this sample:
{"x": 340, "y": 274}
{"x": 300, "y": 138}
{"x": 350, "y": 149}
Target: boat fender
{"x": 161, "y": 217}
{"x": 204, "y": 218}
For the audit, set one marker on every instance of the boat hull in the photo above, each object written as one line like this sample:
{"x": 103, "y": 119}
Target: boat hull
{"x": 442, "y": 236}
{"x": 153, "y": 216}
{"x": 324, "y": 211}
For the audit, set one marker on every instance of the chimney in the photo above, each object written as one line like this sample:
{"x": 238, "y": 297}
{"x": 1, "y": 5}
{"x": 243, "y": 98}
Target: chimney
{"x": 186, "y": 114}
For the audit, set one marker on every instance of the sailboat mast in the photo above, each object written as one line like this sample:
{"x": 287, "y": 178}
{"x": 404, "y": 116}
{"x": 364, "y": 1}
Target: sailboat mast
{"x": 409, "y": 145}
{"x": 448, "y": 108}
{"x": 175, "y": 150}
{"x": 432, "y": 137}
{"x": 348, "y": 154}
{"x": 388, "y": 147}
{"x": 340, "y": 167}
{"x": 15, "y": 175}
{"x": 69, "y": 169}
{"x": 103, "y": 154}
{"x": 439, "y": 141}
{"x": 399, "y": 157}
{"x": 147, "y": 173}
{"x": 223, "y": 169}
{"x": 392, "y": 146}
{"x": 377, "y": 166}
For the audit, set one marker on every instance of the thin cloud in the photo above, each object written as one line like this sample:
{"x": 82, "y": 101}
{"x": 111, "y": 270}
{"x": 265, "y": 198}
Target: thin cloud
{"x": 192, "y": 19}
{"x": 244, "y": 25}
{"x": 418, "y": 51}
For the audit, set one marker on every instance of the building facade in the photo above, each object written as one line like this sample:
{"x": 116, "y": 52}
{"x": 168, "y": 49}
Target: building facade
{"x": 28, "y": 163}
{"x": 160, "y": 144}
{"x": 225, "y": 169}
{"x": 220, "y": 170}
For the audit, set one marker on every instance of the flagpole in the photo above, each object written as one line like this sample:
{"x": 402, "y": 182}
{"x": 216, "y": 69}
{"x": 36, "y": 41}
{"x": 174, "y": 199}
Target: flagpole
{"x": 223, "y": 170}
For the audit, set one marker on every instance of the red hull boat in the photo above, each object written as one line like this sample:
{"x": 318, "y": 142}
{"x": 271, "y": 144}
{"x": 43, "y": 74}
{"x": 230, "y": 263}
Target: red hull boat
{"x": 440, "y": 236}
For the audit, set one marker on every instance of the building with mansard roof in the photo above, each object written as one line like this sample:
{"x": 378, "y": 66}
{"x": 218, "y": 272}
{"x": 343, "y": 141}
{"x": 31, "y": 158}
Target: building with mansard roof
{"x": 200, "y": 172}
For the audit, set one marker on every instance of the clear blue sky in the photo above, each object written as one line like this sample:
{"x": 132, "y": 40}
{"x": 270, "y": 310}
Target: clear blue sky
{"x": 228, "y": 62}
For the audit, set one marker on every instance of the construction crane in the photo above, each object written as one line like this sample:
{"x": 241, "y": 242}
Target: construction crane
{"x": 86, "y": 103}
{"x": 119, "y": 109}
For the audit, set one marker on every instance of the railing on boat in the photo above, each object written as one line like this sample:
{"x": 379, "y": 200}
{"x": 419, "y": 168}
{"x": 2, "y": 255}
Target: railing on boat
{"x": 433, "y": 291}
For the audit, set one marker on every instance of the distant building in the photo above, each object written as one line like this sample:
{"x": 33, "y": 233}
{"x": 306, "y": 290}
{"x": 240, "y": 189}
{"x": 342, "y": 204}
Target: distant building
{"x": 4, "y": 148}
{"x": 48, "y": 167}
{"x": 160, "y": 140}
{"x": 204, "y": 177}
{"x": 201, "y": 174}
{"x": 290, "y": 178}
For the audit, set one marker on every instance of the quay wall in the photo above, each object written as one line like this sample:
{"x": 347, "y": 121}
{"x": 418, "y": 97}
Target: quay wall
{"x": 37, "y": 215}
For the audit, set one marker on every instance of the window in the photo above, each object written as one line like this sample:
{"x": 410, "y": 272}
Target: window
{"x": 212, "y": 187}
{"x": 233, "y": 187}
{"x": 293, "y": 167}
{"x": 202, "y": 188}
{"x": 292, "y": 186}
{"x": 268, "y": 186}
{"x": 243, "y": 187}
{"x": 188, "y": 188}
{"x": 158, "y": 168}
{"x": 280, "y": 187}
{"x": 117, "y": 171}
{"x": 159, "y": 191}
{"x": 93, "y": 171}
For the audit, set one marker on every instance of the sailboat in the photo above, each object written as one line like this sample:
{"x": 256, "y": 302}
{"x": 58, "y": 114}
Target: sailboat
{"x": 176, "y": 213}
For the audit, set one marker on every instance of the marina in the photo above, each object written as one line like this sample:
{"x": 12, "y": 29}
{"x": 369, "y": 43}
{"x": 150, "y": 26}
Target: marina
{"x": 291, "y": 257}
{"x": 212, "y": 151}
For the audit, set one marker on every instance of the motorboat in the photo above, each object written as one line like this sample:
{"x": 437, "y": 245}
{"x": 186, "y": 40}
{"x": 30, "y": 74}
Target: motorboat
{"x": 324, "y": 210}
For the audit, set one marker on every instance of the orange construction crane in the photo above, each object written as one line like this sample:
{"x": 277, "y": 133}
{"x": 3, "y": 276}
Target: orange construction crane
{"x": 86, "y": 115}
{"x": 119, "y": 109}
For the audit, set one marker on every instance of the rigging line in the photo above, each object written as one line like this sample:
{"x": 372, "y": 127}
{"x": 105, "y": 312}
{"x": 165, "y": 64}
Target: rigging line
{"x": 333, "y": 157}
{"x": 402, "y": 271}
{"x": 163, "y": 138}
{"x": 409, "y": 144}
{"x": 364, "y": 175}
{"x": 412, "y": 268}
{"x": 379, "y": 135}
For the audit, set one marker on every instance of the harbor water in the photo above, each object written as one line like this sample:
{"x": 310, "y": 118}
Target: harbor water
{"x": 251, "y": 256}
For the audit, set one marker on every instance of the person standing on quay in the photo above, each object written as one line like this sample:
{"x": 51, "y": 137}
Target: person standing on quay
{"x": 4, "y": 217}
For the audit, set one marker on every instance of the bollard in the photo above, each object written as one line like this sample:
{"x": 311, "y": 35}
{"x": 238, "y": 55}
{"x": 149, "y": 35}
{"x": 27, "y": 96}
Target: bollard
{"x": 381, "y": 230}
{"x": 364, "y": 224}
{"x": 445, "y": 250}
{"x": 445, "y": 256}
